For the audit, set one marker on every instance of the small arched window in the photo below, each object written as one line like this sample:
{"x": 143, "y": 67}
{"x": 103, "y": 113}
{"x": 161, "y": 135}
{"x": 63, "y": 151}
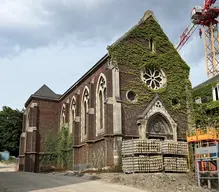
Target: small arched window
{"x": 84, "y": 113}
{"x": 63, "y": 114}
{"x": 72, "y": 114}
{"x": 27, "y": 119}
{"x": 101, "y": 94}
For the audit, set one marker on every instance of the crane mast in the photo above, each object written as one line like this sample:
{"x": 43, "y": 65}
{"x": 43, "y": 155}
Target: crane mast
{"x": 211, "y": 47}
{"x": 205, "y": 16}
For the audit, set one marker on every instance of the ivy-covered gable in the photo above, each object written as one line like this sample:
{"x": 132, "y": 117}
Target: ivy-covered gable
{"x": 145, "y": 48}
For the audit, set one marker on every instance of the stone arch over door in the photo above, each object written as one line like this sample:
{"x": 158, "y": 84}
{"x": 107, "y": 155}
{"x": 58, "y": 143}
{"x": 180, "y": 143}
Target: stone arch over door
{"x": 155, "y": 116}
{"x": 158, "y": 126}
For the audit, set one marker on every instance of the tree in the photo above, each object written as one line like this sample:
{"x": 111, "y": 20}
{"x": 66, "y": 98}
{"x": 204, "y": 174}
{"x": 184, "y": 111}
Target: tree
{"x": 10, "y": 129}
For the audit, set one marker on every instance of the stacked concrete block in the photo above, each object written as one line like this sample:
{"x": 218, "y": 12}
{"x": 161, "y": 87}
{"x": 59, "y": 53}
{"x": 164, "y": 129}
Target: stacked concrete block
{"x": 156, "y": 163}
{"x": 170, "y": 164}
{"x": 182, "y": 164}
{"x": 138, "y": 146}
{"x": 169, "y": 147}
{"x": 153, "y": 156}
{"x": 175, "y": 164}
{"x": 182, "y": 148}
{"x": 142, "y": 164}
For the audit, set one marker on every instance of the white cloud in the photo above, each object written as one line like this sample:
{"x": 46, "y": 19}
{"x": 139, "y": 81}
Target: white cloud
{"x": 19, "y": 12}
{"x": 56, "y": 41}
{"x": 59, "y": 68}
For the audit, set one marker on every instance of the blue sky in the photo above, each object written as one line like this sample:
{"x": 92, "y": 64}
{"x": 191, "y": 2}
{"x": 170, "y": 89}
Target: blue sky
{"x": 54, "y": 42}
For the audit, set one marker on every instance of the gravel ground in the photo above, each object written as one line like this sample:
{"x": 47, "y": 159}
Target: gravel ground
{"x": 7, "y": 167}
{"x": 155, "y": 182}
{"x": 150, "y": 182}
{"x": 11, "y": 181}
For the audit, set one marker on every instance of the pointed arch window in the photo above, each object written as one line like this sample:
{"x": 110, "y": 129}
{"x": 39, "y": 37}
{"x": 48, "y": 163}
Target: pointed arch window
{"x": 101, "y": 95}
{"x": 73, "y": 114}
{"x": 63, "y": 114}
{"x": 101, "y": 108}
{"x": 84, "y": 113}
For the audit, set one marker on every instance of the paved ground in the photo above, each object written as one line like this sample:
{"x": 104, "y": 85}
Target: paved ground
{"x": 31, "y": 182}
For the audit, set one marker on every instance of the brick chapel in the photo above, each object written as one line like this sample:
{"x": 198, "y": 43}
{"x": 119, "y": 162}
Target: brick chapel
{"x": 139, "y": 89}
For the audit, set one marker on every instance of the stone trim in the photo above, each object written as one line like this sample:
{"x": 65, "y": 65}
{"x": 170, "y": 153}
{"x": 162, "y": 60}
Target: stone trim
{"x": 31, "y": 129}
{"x": 23, "y": 134}
{"x": 101, "y": 88}
{"x": 30, "y": 153}
{"x": 72, "y": 112}
{"x": 77, "y": 119}
{"x": 63, "y": 115}
{"x": 156, "y": 107}
{"x": 85, "y": 98}
{"x": 21, "y": 156}
{"x": 91, "y": 111}
{"x": 117, "y": 107}
{"x": 33, "y": 105}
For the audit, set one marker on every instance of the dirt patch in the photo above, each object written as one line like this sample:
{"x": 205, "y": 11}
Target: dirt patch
{"x": 5, "y": 167}
{"x": 155, "y": 182}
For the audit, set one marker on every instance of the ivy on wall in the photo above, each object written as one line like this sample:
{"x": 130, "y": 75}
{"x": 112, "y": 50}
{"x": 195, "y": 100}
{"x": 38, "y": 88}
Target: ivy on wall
{"x": 207, "y": 113}
{"x": 133, "y": 54}
{"x": 58, "y": 149}
{"x": 204, "y": 91}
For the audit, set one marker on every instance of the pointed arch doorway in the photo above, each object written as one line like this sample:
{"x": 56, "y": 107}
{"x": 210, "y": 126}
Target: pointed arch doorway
{"x": 158, "y": 127}
{"x": 156, "y": 122}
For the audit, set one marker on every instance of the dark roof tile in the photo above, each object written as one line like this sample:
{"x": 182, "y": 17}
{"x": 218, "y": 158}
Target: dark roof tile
{"x": 46, "y": 92}
{"x": 211, "y": 80}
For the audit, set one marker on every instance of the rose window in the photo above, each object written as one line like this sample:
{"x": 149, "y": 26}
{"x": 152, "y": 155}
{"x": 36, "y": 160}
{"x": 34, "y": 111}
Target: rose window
{"x": 153, "y": 78}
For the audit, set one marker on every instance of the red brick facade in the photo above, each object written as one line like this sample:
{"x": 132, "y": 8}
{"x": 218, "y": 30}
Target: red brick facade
{"x": 99, "y": 147}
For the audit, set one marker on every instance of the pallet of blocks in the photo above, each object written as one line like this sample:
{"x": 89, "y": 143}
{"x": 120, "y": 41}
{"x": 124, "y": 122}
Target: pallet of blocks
{"x": 156, "y": 163}
{"x": 182, "y": 148}
{"x": 140, "y": 146}
{"x": 169, "y": 147}
{"x": 170, "y": 164}
{"x": 137, "y": 164}
{"x": 181, "y": 164}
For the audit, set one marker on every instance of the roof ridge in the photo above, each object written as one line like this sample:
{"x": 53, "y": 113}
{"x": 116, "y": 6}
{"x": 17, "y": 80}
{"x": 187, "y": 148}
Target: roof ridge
{"x": 45, "y": 91}
{"x": 147, "y": 14}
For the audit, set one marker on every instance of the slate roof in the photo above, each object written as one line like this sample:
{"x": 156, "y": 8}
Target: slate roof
{"x": 44, "y": 92}
{"x": 211, "y": 80}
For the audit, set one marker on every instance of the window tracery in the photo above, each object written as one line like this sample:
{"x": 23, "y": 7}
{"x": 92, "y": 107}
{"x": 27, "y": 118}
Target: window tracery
{"x": 154, "y": 78}
{"x": 84, "y": 113}
{"x": 72, "y": 114}
{"x": 63, "y": 114}
{"x": 101, "y": 95}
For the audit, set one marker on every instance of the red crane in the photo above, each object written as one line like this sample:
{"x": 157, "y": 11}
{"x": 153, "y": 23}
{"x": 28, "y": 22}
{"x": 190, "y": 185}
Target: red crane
{"x": 206, "y": 17}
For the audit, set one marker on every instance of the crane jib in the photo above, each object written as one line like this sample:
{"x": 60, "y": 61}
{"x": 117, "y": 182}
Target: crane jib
{"x": 186, "y": 35}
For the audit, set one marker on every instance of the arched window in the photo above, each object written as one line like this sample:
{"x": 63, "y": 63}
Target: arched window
{"x": 101, "y": 94}
{"x": 27, "y": 119}
{"x": 72, "y": 114}
{"x": 63, "y": 114}
{"x": 101, "y": 108}
{"x": 85, "y": 118}
{"x": 84, "y": 113}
